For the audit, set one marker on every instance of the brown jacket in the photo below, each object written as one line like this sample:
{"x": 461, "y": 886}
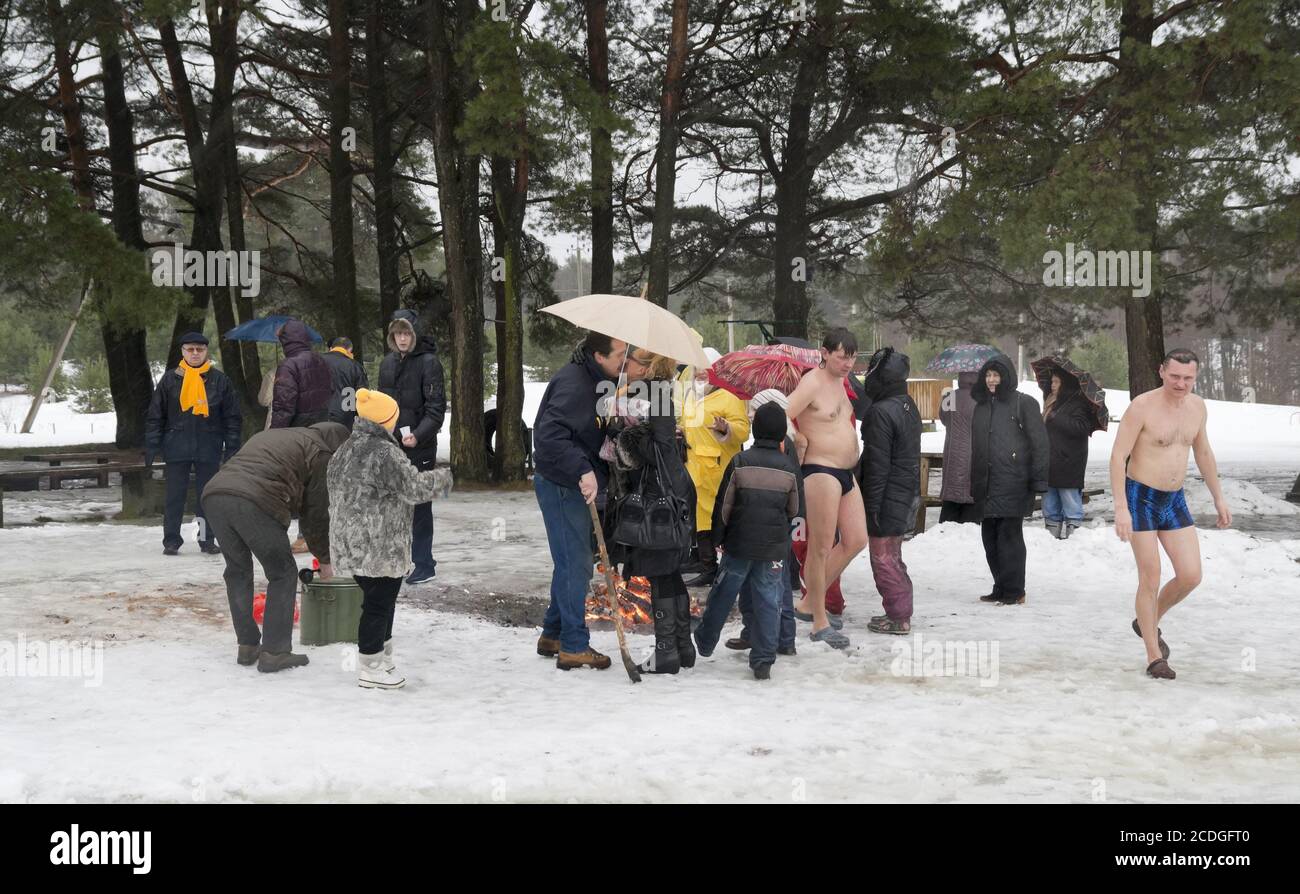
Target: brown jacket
{"x": 282, "y": 471}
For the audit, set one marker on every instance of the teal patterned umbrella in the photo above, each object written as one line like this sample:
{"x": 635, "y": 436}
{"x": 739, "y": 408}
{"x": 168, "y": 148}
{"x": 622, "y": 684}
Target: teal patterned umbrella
{"x": 963, "y": 358}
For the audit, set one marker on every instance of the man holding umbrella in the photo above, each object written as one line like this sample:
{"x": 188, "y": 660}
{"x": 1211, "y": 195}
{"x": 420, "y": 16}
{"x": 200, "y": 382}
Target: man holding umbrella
{"x": 569, "y": 475}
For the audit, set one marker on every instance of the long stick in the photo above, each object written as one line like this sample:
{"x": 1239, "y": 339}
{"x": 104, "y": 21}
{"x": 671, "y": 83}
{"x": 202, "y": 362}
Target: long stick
{"x": 628, "y": 664}
{"x": 55, "y": 360}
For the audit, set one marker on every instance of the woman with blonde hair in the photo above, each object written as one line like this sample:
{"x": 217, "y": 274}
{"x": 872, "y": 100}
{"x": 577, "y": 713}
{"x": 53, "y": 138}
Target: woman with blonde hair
{"x": 648, "y": 459}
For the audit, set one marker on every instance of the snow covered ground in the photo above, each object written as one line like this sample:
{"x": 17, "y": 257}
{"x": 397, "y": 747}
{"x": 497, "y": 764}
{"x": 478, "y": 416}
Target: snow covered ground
{"x": 1052, "y": 705}
{"x": 1044, "y": 702}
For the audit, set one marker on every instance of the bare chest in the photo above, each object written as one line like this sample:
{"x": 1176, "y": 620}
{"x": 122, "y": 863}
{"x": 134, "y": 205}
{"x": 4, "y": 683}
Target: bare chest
{"x": 829, "y": 406}
{"x": 1172, "y": 429}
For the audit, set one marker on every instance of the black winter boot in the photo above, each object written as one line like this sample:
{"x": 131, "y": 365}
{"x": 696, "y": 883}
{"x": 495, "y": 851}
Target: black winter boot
{"x": 685, "y": 645}
{"x": 665, "y": 659}
{"x": 708, "y": 561}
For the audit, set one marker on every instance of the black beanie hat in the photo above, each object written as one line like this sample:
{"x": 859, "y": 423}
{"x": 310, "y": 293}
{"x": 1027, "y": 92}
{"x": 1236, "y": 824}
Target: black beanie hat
{"x": 194, "y": 338}
{"x": 770, "y": 422}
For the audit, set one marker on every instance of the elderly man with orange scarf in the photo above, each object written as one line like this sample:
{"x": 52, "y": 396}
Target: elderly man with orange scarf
{"x": 716, "y": 425}
{"x": 194, "y": 422}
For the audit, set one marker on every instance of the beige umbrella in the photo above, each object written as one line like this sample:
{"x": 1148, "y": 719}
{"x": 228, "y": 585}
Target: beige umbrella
{"x": 636, "y": 321}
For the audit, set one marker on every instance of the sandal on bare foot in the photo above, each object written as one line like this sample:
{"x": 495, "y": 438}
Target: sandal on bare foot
{"x": 889, "y": 625}
{"x": 831, "y": 637}
{"x": 836, "y": 621}
{"x": 1161, "y": 670}
{"x": 1164, "y": 646}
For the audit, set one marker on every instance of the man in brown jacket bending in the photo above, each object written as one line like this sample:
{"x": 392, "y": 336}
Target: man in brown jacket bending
{"x": 278, "y": 474}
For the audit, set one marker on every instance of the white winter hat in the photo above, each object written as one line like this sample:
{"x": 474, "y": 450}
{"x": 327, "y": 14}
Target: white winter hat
{"x": 770, "y": 396}
{"x": 712, "y": 354}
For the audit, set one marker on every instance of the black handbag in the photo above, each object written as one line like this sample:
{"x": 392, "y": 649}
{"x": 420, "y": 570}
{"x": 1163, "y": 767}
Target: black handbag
{"x": 657, "y": 522}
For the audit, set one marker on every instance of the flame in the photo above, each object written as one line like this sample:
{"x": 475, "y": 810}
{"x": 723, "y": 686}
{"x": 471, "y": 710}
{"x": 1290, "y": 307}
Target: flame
{"x": 633, "y": 599}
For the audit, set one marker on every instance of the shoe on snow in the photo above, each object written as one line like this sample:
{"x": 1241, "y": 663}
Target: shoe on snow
{"x": 270, "y": 662}
{"x": 1011, "y": 599}
{"x": 1161, "y": 670}
{"x": 171, "y": 550}
{"x": 787, "y": 650}
{"x": 420, "y": 576}
{"x": 589, "y": 658}
{"x": 995, "y": 596}
{"x": 248, "y": 655}
{"x": 737, "y": 644}
{"x": 836, "y": 621}
{"x": 210, "y": 549}
{"x": 762, "y": 672}
{"x": 372, "y": 673}
{"x": 548, "y": 647}
{"x": 831, "y": 637}
{"x": 1164, "y": 646}
{"x": 889, "y": 625}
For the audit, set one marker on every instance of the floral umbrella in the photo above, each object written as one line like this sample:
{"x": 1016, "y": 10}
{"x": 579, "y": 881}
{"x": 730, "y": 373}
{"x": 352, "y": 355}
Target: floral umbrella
{"x": 1043, "y": 368}
{"x": 758, "y": 367}
{"x": 962, "y": 358}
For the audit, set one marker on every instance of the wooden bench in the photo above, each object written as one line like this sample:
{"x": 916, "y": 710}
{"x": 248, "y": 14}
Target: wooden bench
{"x": 101, "y": 456}
{"x": 935, "y": 461}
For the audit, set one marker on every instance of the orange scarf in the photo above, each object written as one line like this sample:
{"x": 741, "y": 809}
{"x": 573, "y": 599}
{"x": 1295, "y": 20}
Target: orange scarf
{"x": 194, "y": 396}
{"x": 344, "y": 351}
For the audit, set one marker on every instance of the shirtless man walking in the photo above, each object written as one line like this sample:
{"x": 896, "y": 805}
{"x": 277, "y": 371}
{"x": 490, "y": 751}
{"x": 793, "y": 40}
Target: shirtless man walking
{"x": 821, "y": 407}
{"x": 1158, "y": 429}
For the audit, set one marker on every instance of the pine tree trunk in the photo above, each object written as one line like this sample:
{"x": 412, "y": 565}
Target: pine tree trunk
{"x": 602, "y": 154}
{"x": 457, "y": 195}
{"x": 125, "y": 348}
{"x": 390, "y": 282}
{"x": 670, "y": 102}
{"x": 347, "y": 316}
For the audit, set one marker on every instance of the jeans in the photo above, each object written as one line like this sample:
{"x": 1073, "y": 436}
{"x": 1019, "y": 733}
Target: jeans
{"x": 422, "y": 532}
{"x": 243, "y": 531}
{"x": 1063, "y": 504}
{"x": 768, "y": 581}
{"x": 785, "y": 639}
{"x": 178, "y": 486}
{"x": 378, "y": 606}
{"x": 568, "y": 534}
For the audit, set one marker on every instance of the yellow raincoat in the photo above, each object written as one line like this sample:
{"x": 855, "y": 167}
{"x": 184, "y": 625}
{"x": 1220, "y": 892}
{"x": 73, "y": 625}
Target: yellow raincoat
{"x": 707, "y": 455}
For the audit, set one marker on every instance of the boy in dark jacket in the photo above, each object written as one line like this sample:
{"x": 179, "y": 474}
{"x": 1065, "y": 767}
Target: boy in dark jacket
{"x": 347, "y": 377}
{"x": 302, "y": 381}
{"x": 1008, "y": 466}
{"x": 760, "y": 497}
{"x": 411, "y": 374}
{"x": 194, "y": 422}
{"x": 890, "y": 475}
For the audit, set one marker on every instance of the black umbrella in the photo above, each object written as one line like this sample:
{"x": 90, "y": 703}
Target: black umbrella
{"x": 1043, "y": 368}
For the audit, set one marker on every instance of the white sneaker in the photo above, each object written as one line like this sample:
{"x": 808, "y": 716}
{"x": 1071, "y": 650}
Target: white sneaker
{"x": 372, "y": 674}
{"x": 388, "y": 655}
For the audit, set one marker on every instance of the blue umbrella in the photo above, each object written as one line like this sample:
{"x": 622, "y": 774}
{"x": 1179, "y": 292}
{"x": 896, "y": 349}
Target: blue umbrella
{"x": 265, "y": 329}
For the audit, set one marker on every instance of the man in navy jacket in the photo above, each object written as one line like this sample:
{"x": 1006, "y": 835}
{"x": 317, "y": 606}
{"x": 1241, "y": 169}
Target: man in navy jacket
{"x": 569, "y": 475}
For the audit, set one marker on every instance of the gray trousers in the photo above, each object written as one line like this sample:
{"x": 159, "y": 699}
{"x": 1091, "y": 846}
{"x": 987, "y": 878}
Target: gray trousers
{"x": 244, "y": 531}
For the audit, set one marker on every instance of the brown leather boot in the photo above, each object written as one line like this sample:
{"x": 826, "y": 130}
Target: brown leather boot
{"x": 248, "y": 654}
{"x": 269, "y": 662}
{"x": 547, "y": 647}
{"x": 1161, "y": 670}
{"x": 590, "y": 658}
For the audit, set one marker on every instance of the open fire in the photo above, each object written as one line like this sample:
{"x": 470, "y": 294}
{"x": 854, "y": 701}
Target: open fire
{"x": 633, "y": 599}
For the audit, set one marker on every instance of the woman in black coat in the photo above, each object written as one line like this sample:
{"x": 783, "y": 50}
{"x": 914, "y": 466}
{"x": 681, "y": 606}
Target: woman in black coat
{"x": 1008, "y": 466}
{"x": 637, "y": 447}
{"x": 1069, "y": 420}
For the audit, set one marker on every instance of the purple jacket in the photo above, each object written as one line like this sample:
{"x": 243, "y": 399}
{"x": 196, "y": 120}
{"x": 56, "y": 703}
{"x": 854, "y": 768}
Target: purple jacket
{"x": 303, "y": 385}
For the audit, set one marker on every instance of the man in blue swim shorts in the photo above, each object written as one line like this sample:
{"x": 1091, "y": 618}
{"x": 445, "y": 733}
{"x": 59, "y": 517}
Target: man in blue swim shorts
{"x": 1147, "y": 466}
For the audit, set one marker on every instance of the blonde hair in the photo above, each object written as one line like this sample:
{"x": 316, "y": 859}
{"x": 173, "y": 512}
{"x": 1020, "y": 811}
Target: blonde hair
{"x": 661, "y": 367}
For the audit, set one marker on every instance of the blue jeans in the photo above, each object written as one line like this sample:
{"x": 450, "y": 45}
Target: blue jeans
{"x": 1063, "y": 504}
{"x": 569, "y": 534}
{"x": 785, "y": 639}
{"x": 767, "y": 582}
